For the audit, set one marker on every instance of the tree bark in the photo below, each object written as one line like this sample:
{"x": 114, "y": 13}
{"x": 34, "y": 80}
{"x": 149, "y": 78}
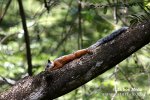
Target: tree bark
{"x": 51, "y": 85}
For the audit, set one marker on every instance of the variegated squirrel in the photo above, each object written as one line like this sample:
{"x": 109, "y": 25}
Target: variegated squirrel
{"x": 61, "y": 61}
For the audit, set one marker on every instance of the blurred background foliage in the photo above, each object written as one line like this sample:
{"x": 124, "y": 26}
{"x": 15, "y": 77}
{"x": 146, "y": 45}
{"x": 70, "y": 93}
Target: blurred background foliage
{"x": 65, "y": 26}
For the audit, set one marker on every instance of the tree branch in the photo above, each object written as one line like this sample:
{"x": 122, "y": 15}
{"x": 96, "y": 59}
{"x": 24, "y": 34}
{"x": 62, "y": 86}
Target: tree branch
{"x": 76, "y": 73}
{"x": 26, "y": 36}
{"x": 6, "y": 8}
{"x": 8, "y": 81}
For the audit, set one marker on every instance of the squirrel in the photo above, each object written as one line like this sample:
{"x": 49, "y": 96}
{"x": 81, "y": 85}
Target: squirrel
{"x": 61, "y": 61}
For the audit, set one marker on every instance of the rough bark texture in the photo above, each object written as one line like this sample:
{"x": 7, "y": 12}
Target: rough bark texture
{"x": 47, "y": 86}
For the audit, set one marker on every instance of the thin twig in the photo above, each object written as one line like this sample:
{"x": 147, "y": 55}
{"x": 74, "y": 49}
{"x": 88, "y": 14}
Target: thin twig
{"x": 80, "y": 44}
{"x": 129, "y": 82}
{"x": 115, "y": 86}
{"x": 7, "y": 81}
{"x": 69, "y": 33}
{"x": 115, "y": 12}
{"x": 6, "y": 8}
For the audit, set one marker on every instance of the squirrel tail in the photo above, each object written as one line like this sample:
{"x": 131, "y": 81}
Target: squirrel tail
{"x": 109, "y": 37}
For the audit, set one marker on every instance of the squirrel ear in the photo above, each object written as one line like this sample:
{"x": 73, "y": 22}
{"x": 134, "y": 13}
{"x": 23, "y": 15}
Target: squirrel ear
{"x": 49, "y": 61}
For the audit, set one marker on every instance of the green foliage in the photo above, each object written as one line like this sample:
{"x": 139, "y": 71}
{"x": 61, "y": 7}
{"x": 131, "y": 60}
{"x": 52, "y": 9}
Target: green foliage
{"x": 57, "y": 33}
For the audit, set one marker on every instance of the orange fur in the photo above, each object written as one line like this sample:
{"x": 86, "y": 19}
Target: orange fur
{"x": 61, "y": 61}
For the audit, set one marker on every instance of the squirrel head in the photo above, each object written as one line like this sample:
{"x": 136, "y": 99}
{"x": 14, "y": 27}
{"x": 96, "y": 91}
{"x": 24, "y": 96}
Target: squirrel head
{"x": 49, "y": 65}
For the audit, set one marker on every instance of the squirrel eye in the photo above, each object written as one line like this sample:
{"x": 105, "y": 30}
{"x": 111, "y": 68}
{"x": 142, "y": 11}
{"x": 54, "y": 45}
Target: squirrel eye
{"x": 47, "y": 66}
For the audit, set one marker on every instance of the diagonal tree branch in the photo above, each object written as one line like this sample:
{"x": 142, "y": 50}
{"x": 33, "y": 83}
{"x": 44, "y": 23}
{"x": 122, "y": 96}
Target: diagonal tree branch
{"x": 6, "y": 8}
{"x": 8, "y": 81}
{"x": 48, "y": 86}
